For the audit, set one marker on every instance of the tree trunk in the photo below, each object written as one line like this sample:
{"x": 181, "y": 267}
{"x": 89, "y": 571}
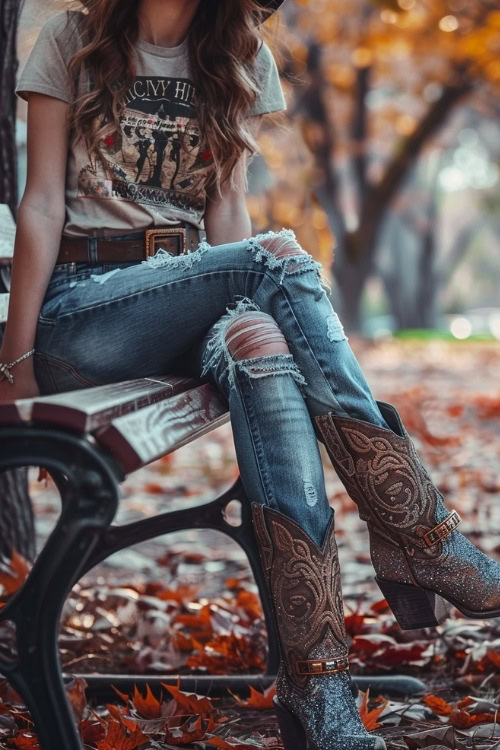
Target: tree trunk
{"x": 351, "y": 287}
{"x": 16, "y": 513}
{"x": 355, "y": 252}
{"x": 350, "y": 279}
{"x": 428, "y": 286}
{"x": 9, "y": 14}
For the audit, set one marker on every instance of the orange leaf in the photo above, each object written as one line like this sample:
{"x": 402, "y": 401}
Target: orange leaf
{"x": 200, "y": 619}
{"x": 494, "y": 657}
{"x": 180, "y": 736}
{"x": 257, "y": 699}
{"x": 250, "y": 603}
{"x": 461, "y": 719}
{"x": 465, "y": 702}
{"x": 233, "y": 583}
{"x": 76, "y": 694}
{"x": 228, "y": 654}
{"x": 116, "y": 713}
{"x": 369, "y": 718}
{"x": 186, "y": 643}
{"x": 154, "y": 489}
{"x": 148, "y": 707}
{"x": 42, "y": 474}
{"x": 189, "y": 704}
{"x": 438, "y": 705}
{"x": 488, "y": 407}
{"x": 117, "y": 738}
{"x": 26, "y": 741}
{"x": 14, "y": 573}
{"x": 91, "y": 731}
{"x": 182, "y": 593}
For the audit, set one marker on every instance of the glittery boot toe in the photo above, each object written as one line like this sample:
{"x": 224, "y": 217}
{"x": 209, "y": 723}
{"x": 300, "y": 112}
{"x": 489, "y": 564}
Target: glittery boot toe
{"x": 422, "y": 563}
{"x": 314, "y": 703}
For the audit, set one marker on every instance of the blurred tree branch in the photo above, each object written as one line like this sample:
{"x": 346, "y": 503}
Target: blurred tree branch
{"x": 366, "y": 118}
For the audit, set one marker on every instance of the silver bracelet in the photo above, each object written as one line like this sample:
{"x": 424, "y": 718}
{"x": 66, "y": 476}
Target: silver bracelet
{"x": 5, "y": 369}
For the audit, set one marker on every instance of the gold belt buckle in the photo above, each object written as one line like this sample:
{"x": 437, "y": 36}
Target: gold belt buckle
{"x": 153, "y": 240}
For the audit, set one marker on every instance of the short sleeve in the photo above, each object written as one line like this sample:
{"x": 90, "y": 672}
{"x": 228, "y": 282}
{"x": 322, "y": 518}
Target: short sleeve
{"x": 270, "y": 95}
{"x": 46, "y": 69}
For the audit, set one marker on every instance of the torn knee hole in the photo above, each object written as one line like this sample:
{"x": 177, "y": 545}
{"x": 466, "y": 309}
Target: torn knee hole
{"x": 251, "y": 342}
{"x": 280, "y": 251}
{"x": 254, "y": 334}
{"x": 281, "y": 246}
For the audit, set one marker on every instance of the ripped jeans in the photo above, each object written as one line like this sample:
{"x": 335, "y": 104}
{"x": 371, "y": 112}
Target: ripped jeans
{"x": 253, "y": 317}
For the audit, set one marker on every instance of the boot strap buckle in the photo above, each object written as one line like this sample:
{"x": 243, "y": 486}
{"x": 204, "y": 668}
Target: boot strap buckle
{"x": 321, "y": 666}
{"x": 441, "y": 531}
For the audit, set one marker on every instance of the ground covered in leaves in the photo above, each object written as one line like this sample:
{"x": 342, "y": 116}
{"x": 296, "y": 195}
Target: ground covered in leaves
{"x": 187, "y": 603}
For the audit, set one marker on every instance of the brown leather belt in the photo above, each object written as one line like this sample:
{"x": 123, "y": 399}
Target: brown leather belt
{"x": 175, "y": 239}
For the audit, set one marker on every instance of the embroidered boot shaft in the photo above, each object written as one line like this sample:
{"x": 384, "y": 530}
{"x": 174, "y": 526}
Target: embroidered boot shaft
{"x": 419, "y": 558}
{"x": 314, "y": 702}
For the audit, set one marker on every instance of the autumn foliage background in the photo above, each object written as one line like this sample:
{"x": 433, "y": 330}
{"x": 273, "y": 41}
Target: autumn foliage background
{"x": 391, "y": 154}
{"x": 386, "y": 165}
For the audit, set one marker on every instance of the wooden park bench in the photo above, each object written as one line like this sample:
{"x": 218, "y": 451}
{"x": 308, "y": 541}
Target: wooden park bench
{"x": 90, "y": 440}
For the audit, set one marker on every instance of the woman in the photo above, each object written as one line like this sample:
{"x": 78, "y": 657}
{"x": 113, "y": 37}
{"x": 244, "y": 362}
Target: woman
{"x": 141, "y": 117}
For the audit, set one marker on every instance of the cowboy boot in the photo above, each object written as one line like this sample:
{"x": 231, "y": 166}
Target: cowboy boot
{"x": 314, "y": 703}
{"x": 422, "y": 563}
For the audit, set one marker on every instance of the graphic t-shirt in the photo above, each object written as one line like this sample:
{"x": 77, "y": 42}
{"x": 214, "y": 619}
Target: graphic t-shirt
{"x": 156, "y": 167}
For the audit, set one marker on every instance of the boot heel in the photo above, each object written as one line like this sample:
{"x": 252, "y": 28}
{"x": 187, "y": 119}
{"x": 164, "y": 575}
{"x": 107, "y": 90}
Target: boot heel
{"x": 292, "y": 732}
{"x": 412, "y": 606}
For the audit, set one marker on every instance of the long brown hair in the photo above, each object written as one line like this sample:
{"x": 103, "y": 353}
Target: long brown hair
{"x": 223, "y": 43}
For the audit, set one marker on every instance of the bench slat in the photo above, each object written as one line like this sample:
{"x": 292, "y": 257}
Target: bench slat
{"x": 14, "y": 412}
{"x": 4, "y": 304}
{"x": 91, "y": 408}
{"x": 139, "y": 438}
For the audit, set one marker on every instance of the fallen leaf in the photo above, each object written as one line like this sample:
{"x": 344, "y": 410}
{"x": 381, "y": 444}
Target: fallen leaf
{"x": 91, "y": 731}
{"x": 438, "y": 705}
{"x": 257, "y": 700}
{"x": 446, "y": 736}
{"x": 26, "y": 741}
{"x": 76, "y": 694}
{"x": 42, "y": 474}
{"x": 13, "y": 573}
{"x": 462, "y": 719}
{"x": 149, "y": 707}
{"x": 369, "y": 718}
{"x": 118, "y": 738}
{"x": 190, "y": 703}
{"x": 191, "y": 731}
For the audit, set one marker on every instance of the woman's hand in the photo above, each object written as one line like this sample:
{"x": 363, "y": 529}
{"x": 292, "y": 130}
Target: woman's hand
{"x": 24, "y": 386}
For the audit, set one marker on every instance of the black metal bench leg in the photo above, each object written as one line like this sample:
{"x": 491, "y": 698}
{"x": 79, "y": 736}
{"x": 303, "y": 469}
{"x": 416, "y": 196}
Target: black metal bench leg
{"x": 209, "y": 515}
{"x": 38, "y": 679}
{"x": 90, "y": 497}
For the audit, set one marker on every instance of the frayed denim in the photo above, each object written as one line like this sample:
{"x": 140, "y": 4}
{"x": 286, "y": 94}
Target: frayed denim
{"x": 117, "y": 321}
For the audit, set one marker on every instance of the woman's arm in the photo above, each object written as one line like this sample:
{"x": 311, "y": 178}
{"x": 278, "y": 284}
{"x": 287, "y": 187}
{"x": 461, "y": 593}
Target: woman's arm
{"x": 226, "y": 216}
{"x": 40, "y": 222}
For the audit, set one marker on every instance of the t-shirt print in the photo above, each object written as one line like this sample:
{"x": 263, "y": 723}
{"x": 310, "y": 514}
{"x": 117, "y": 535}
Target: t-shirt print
{"x": 155, "y": 168}
{"x": 158, "y": 158}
